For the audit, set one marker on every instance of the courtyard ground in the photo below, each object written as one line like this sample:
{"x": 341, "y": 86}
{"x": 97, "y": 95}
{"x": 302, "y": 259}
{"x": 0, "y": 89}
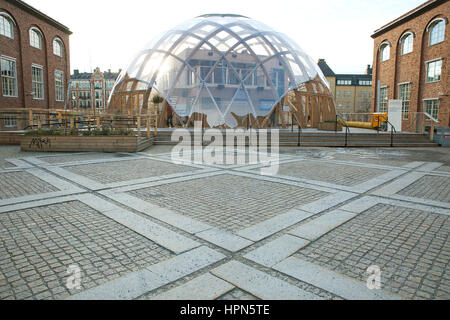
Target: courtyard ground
{"x": 138, "y": 226}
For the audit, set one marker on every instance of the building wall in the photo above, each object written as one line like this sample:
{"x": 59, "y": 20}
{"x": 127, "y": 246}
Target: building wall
{"x": 353, "y": 99}
{"x": 89, "y": 90}
{"x": 20, "y": 49}
{"x": 411, "y": 68}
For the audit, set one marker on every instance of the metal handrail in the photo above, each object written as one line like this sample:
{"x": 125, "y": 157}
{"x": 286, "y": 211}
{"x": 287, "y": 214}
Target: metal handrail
{"x": 299, "y": 138}
{"x": 347, "y": 128}
{"x": 393, "y": 129}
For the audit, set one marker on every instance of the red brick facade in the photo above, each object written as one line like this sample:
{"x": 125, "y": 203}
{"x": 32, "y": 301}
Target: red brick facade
{"x": 412, "y": 68}
{"x": 25, "y": 17}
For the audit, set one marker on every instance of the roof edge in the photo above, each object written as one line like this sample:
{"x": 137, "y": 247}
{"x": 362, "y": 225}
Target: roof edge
{"x": 408, "y": 16}
{"x": 26, "y": 7}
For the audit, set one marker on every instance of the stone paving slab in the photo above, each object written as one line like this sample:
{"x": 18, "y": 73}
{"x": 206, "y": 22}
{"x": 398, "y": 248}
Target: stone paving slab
{"x": 336, "y": 283}
{"x": 277, "y": 250}
{"x": 420, "y": 187}
{"x": 260, "y": 284}
{"x": 152, "y": 246}
{"x": 410, "y": 246}
{"x": 32, "y": 184}
{"x": 137, "y": 284}
{"x": 40, "y": 244}
{"x": 205, "y": 287}
{"x": 322, "y": 225}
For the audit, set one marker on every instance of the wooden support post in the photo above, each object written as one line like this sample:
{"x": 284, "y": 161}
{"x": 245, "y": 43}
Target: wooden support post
{"x": 39, "y": 122}
{"x": 71, "y": 122}
{"x": 30, "y": 118}
{"x": 148, "y": 128}
{"x": 98, "y": 122}
{"x": 139, "y": 125}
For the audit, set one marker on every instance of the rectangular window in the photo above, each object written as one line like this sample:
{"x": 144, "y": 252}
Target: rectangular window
{"x": 405, "y": 94}
{"x": 434, "y": 70}
{"x": 365, "y": 82}
{"x": 37, "y": 77}
{"x": 432, "y": 108}
{"x": 9, "y": 77}
{"x": 344, "y": 82}
{"x": 10, "y": 121}
{"x": 59, "y": 85}
{"x": 383, "y": 99}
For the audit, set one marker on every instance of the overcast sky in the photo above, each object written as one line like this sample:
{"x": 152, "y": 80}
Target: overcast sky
{"x": 107, "y": 33}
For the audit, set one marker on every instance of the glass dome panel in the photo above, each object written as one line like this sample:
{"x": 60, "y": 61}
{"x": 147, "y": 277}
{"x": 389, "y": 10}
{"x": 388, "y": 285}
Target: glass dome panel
{"x": 222, "y": 66}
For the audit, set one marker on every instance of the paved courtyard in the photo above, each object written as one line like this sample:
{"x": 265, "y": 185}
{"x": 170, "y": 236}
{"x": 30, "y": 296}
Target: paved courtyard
{"x": 139, "y": 226}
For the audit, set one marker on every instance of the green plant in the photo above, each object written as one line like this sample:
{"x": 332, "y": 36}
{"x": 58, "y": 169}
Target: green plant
{"x": 157, "y": 99}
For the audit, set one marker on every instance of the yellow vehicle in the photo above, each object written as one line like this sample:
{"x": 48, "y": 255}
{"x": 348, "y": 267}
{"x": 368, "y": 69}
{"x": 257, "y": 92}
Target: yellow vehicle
{"x": 378, "y": 122}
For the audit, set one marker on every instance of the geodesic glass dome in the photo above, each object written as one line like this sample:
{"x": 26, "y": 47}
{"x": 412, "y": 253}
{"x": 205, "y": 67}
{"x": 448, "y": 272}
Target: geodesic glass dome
{"x": 221, "y": 66}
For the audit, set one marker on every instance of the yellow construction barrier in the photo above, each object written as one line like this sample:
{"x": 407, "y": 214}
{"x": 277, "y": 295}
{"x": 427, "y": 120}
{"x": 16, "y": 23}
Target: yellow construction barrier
{"x": 379, "y": 120}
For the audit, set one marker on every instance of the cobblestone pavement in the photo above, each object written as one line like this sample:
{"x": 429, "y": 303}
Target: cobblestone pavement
{"x": 159, "y": 230}
{"x": 20, "y": 184}
{"x": 429, "y": 187}
{"x": 337, "y": 174}
{"x": 229, "y": 202}
{"x": 127, "y": 170}
{"x": 82, "y": 157}
{"x": 410, "y": 246}
{"x": 37, "y": 246}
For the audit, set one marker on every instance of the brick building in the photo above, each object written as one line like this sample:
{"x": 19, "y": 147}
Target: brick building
{"x": 410, "y": 64}
{"x": 89, "y": 90}
{"x": 352, "y": 92}
{"x": 35, "y": 62}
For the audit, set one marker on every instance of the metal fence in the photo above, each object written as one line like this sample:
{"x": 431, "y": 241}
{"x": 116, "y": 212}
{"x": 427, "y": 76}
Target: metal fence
{"x": 22, "y": 120}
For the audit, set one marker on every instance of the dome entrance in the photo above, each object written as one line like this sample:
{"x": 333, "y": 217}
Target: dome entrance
{"x": 228, "y": 70}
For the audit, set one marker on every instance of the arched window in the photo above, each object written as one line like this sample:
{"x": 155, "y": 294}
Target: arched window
{"x": 437, "y": 31}
{"x": 407, "y": 42}
{"x": 35, "y": 38}
{"x": 6, "y": 26}
{"x": 58, "y": 47}
{"x": 385, "y": 51}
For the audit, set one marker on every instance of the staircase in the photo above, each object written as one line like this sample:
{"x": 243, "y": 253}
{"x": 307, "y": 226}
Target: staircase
{"x": 331, "y": 139}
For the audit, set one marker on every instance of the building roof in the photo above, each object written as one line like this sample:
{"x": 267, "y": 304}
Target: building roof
{"x": 355, "y": 78}
{"x": 38, "y": 14}
{"x": 108, "y": 75}
{"x": 326, "y": 70}
{"x": 408, "y": 16}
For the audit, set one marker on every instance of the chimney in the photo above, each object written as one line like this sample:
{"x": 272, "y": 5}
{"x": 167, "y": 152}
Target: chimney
{"x": 369, "y": 70}
{"x": 76, "y": 72}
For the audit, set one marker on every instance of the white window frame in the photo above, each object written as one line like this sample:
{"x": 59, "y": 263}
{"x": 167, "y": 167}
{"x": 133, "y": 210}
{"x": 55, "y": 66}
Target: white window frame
{"x": 435, "y": 116}
{"x": 59, "y": 88}
{"x": 10, "y": 121}
{"x": 406, "y": 103}
{"x": 382, "y": 47}
{"x": 10, "y": 60}
{"x": 61, "y": 47}
{"x": 34, "y": 34}
{"x": 402, "y": 43}
{"x": 384, "y": 101}
{"x": 431, "y": 27}
{"x": 427, "y": 67}
{"x": 11, "y": 23}
{"x": 35, "y": 83}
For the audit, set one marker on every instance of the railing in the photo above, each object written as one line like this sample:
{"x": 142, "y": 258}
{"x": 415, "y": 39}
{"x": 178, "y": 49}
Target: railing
{"x": 413, "y": 122}
{"x": 299, "y": 137}
{"x": 347, "y": 128}
{"x": 393, "y": 130}
{"x": 17, "y": 120}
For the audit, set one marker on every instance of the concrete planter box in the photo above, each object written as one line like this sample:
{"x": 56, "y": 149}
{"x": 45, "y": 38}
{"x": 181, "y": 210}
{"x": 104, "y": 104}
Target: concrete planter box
{"x": 84, "y": 144}
{"x": 329, "y": 126}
